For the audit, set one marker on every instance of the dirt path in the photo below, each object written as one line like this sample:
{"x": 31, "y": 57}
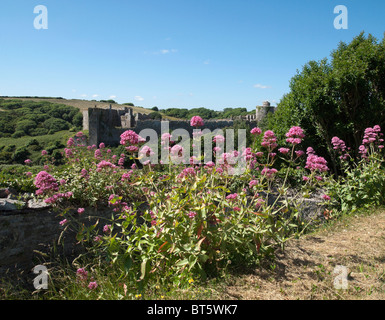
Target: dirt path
{"x": 305, "y": 270}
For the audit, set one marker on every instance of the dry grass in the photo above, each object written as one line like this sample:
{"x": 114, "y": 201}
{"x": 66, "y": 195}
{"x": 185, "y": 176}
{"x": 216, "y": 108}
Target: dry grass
{"x": 304, "y": 270}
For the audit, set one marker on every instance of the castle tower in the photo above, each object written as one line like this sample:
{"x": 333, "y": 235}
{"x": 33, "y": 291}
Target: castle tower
{"x": 262, "y": 111}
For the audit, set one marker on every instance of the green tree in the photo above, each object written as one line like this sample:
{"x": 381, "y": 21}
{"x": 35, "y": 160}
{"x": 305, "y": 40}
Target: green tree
{"x": 340, "y": 97}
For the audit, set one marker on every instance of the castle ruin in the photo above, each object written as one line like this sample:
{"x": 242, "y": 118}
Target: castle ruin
{"x": 106, "y": 125}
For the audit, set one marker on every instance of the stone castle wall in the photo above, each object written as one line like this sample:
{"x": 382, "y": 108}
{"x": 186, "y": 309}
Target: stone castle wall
{"x": 106, "y": 125}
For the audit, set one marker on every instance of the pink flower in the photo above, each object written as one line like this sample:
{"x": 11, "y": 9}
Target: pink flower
{"x": 70, "y": 142}
{"x": 232, "y": 196}
{"x": 44, "y": 152}
{"x": 82, "y": 274}
{"x": 28, "y": 161}
{"x": 295, "y": 135}
{"x": 102, "y": 145}
{"x": 315, "y": 163}
{"x": 284, "y": 150}
{"x": 219, "y": 138}
{"x": 237, "y": 209}
{"x": 126, "y": 176}
{"x": 130, "y": 137}
{"x": 192, "y": 214}
{"x": 98, "y": 154}
{"x": 253, "y": 183}
{"x": 269, "y": 140}
{"x": 62, "y": 182}
{"x": 268, "y": 172}
{"x": 299, "y": 153}
{"x": 28, "y": 174}
{"x": 196, "y": 121}
{"x": 107, "y": 228}
{"x": 45, "y": 183}
{"x": 92, "y": 285}
{"x": 326, "y": 197}
{"x": 104, "y": 164}
{"x": 304, "y": 178}
{"x": 256, "y": 131}
{"x": 146, "y": 151}
{"x": 63, "y": 222}
{"x": 81, "y": 210}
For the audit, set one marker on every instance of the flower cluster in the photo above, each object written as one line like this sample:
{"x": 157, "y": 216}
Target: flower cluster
{"x": 130, "y": 137}
{"x": 295, "y": 135}
{"x": 269, "y": 140}
{"x": 45, "y": 183}
{"x": 314, "y": 162}
{"x": 196, "y": 121}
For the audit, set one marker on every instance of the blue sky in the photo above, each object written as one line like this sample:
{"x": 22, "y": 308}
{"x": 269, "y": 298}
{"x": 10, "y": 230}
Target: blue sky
{"x": 172, "y": 53}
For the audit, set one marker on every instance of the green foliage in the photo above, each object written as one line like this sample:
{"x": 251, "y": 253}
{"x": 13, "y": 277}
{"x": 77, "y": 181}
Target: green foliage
{"x": 340, "y": 97}
{"x": 55, "y": 125}
{"x": 155, "y": 115}
{"x": 33, "y": 118}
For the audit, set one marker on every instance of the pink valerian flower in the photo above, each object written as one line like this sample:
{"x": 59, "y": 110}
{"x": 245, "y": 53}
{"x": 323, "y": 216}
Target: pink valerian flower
{"x": 102, "y": 145}
{"x": 62, "y": 182}
{"x": 82, "y": 274}
{"x": 305, "y": 178}
{"x": 81, "y": 210}
{"x": 121, "y": 161}
{"x": 338, "y": 144}
{"x": 98, "y": 154}
{"x": 28, "y": 161}
{"x": 104, "y": 164}
{"x": 256, "y": 131}
{"x": 45, "y": 183}
{"x": 196, "y": 121}
{"x": 316, "y": 163}
{"x": 248, "y": 154}
{"x": 44, "y": 152}
{"x": 253, "y": 183}
{"x": 295, "y": 135}
{"x": 192, "y": 214}
{"x": 219, "y": 138}
{"x": 177, "y": 151}
{"x": 259, "y": 154}
{"x": 132, "y": 149}
{"x": 232, "y": 196}
{"x": 126, "y": 176}
{"x": 299, "y": 153}
{"x": 107, "y": 228}
{"x": 146, "y": 151}
{"x": 28, "y": 174}
{"x": 237, "y": 209}
{"x": 92, "y": 285}
{"x": 70, "y": 142}
{"x": 284, "y": 150}
{"x": 187, "y": 172}
{"x": 98, "y": 238}
{"x": 269, "y": 173}
{"x": 269, "y": 140}
{"x": 130, "y": 137}
{"x": 63, "y": 222}
{"x": 326, "y": 197}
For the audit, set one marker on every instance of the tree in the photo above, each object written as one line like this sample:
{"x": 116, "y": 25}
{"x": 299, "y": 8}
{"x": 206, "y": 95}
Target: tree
{"x": 340, "y": 97}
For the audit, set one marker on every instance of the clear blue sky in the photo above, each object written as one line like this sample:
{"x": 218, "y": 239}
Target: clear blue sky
{"x": 172, "y": 53}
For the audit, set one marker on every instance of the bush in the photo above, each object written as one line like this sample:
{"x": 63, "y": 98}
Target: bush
{"x": 55, "y": 125}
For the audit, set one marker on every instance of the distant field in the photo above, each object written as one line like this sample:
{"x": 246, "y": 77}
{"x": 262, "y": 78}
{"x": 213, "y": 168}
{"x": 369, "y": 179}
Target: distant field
{"x": 86, "y": 104}
{"x": 43, "y": 140}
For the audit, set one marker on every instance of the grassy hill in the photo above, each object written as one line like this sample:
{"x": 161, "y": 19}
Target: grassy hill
{"x": 86, "y": 104}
